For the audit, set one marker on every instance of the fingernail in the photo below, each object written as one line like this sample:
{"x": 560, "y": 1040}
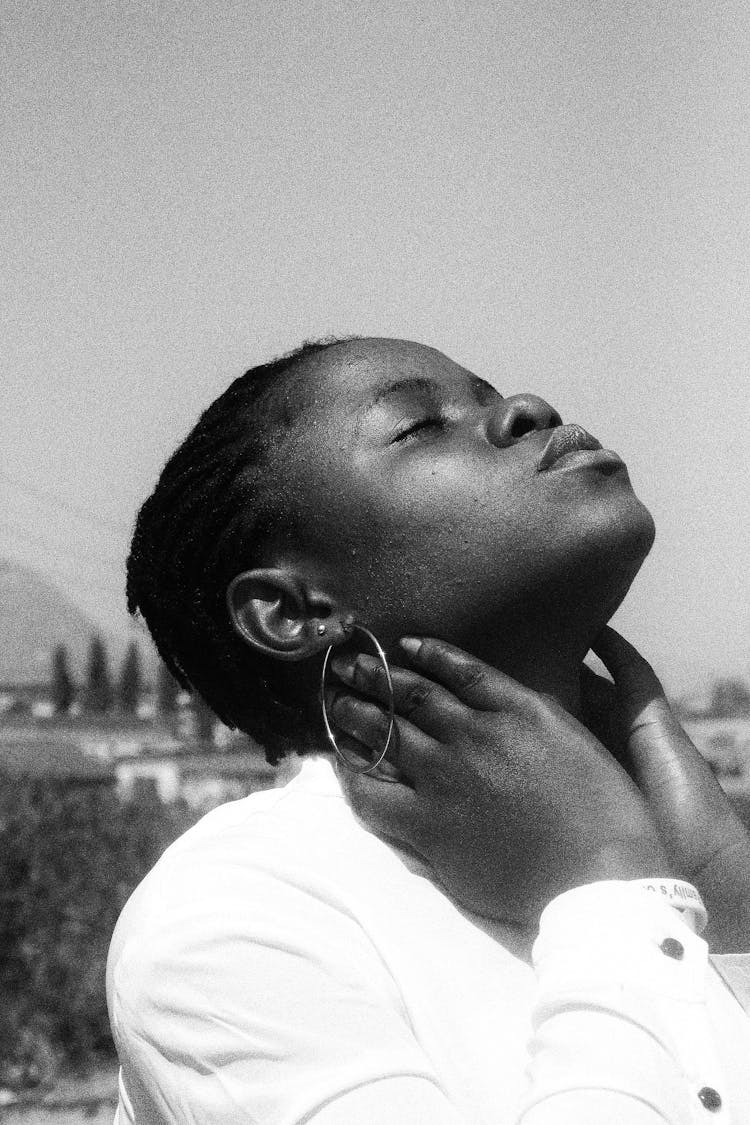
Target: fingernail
{"x": 410, "y": 645}
{"x": 343, "y": 666}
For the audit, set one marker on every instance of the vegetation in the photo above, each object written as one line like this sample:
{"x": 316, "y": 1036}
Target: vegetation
{"x": 69, "y": 858}
{"x": 205, "y": 719}
{"x": 63, "y": 688}
{"x": 99, "y": 695}
{"x": 167, "y": 690}
{"x": 730, "y": 697}
{"x": 71, "y": 854}
{"x": 130, "y": 687}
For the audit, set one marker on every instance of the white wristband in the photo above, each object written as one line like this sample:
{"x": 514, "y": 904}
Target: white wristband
{"x": 682, "y": 896}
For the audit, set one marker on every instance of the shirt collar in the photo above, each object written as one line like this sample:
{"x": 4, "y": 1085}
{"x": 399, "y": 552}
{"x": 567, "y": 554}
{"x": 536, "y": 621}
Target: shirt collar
{"x": 317, "y": 775}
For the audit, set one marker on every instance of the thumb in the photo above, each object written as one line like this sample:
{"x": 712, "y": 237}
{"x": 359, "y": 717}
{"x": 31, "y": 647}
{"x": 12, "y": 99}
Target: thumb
{"x": 694, "y": 817}
{"x": 639, "y": 690}
{"x": 661, "y": 752}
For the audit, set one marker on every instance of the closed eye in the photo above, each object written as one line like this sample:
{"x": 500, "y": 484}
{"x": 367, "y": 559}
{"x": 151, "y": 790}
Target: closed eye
{"x": 414, "y": 428}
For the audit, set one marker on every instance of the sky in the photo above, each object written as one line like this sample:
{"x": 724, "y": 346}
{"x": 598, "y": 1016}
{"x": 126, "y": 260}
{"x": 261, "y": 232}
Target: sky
{"x": 555, "y": 194}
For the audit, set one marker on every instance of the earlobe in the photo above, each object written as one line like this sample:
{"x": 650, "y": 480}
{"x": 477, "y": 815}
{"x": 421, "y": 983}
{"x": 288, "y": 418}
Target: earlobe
{"x": 273, "y": 612}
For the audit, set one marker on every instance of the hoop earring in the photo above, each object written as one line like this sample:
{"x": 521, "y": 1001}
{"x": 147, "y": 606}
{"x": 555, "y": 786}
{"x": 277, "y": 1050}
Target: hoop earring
{"x": 352, "y": 626}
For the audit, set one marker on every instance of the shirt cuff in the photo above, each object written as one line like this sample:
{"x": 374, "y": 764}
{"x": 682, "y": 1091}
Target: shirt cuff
{"x": 620, "y": 1007}
{"x": 612, "y": 936}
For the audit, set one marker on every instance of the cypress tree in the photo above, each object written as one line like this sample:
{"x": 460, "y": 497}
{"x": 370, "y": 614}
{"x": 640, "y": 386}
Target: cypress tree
{"x": 205, "y": 719}
{"x": 167, "y": 690}
{"x": 130, "y": 686}
{"x": 730, "y": 697}
{"x": 63, "y": 688}
{"x": 99, "y": 694}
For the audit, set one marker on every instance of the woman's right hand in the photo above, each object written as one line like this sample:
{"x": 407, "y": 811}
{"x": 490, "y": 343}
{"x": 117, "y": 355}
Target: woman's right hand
{"x": 508, "y": 798}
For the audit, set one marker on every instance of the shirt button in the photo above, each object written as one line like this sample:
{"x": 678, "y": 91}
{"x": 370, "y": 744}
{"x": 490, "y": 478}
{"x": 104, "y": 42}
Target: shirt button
{"x": 710, "y": 1098}
{"x": 671, "y": 947}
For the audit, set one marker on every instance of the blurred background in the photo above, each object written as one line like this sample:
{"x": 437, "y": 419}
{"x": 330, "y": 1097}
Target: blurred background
{"x": 556, "y": 194}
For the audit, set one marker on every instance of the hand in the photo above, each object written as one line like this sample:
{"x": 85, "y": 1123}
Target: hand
{"x": 705, "y": 839}
{"x": 507, "y": 797}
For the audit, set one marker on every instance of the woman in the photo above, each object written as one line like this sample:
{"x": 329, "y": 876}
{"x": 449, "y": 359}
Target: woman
{"x": 357, "y": 947}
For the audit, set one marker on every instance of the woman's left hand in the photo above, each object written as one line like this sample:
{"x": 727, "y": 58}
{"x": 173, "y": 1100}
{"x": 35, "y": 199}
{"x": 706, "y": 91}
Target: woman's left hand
{"x": 704, "y": 836}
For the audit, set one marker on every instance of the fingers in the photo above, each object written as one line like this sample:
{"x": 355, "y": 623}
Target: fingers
{"x": 436, "y": 691}
{"x": 636, "y": 681}
{"x": 422, "y": 702}
{"x": 469, "y": 679}
{"x": 658, "y": 747}
{"x": 367, "y": 723}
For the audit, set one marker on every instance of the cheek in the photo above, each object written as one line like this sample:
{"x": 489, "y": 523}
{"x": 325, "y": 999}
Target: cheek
{"x": 429, "y": 534}
{"x": 433, "y": 547}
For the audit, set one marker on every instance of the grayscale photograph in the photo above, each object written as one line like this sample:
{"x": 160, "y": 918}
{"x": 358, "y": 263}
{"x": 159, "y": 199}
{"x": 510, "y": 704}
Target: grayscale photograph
{"x": 374, "y": 597}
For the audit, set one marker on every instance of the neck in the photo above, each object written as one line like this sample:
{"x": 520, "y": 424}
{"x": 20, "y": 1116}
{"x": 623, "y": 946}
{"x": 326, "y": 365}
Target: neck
{"x": 545, "y": 656}
{"x": 553, "y": 674}
{"x": 541, "y": 643}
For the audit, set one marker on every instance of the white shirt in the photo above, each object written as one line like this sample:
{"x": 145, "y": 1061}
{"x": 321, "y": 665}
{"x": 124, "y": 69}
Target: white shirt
{"x": 282, "y": 965}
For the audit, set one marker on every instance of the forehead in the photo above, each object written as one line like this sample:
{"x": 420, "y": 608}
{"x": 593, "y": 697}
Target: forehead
{"x": 356, "y": 373}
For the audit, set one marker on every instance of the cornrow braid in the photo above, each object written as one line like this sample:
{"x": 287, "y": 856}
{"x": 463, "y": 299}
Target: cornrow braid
{"x": 213, "y": 507}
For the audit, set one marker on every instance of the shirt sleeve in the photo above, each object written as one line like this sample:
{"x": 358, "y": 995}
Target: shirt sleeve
{"x": 257, "y": 999}
{"x": 620, "y": 1017}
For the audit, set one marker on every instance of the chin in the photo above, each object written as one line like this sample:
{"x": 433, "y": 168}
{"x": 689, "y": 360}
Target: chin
{"x": 622, "y": 523}
{"x": 636, "y": 530}
{"x": 616, "y": 548}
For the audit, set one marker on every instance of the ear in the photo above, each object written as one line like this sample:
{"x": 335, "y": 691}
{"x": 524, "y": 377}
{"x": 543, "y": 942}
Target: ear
{"x": 276, "y": 613}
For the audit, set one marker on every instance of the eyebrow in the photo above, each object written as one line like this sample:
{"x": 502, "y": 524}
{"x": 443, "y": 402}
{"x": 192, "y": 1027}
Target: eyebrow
{"x": 404, "y": 386}
{"x": 481, "y": 390}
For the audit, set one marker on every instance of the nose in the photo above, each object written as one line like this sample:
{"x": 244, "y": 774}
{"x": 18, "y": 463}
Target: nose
{"x": 519, "y": 415}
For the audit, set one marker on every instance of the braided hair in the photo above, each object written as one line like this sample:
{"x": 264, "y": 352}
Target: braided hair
{"x": 213, "y": 508}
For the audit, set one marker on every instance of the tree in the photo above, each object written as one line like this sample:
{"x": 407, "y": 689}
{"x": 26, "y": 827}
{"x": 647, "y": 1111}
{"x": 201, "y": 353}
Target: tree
{"x": 167, "y": 690}
{"x": 730, "y": 697}
{"x": 205, "y": 719}
{"x": 99, "y": 694}
{"x": 63, "y": 688}
{"x": 69, "y": 858}
{"x": 130, "y": 686}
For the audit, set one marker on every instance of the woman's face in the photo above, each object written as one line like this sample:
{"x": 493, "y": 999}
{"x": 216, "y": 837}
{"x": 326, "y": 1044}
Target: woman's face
{"x": 424, "y": 500}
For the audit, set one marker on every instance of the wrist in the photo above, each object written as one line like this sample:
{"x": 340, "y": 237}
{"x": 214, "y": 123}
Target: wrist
{"x": 641, "y": 859}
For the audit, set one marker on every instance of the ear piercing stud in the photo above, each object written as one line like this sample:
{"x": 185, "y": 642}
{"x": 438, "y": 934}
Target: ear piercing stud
{"x": 348, "y": 625}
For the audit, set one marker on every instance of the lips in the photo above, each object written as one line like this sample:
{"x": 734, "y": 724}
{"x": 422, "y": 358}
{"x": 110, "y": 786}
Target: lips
{"x": 563, "y": 440}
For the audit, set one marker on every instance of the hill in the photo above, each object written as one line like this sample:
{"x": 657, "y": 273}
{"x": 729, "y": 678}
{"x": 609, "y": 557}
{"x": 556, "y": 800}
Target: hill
{"x": 35, "y": 616}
